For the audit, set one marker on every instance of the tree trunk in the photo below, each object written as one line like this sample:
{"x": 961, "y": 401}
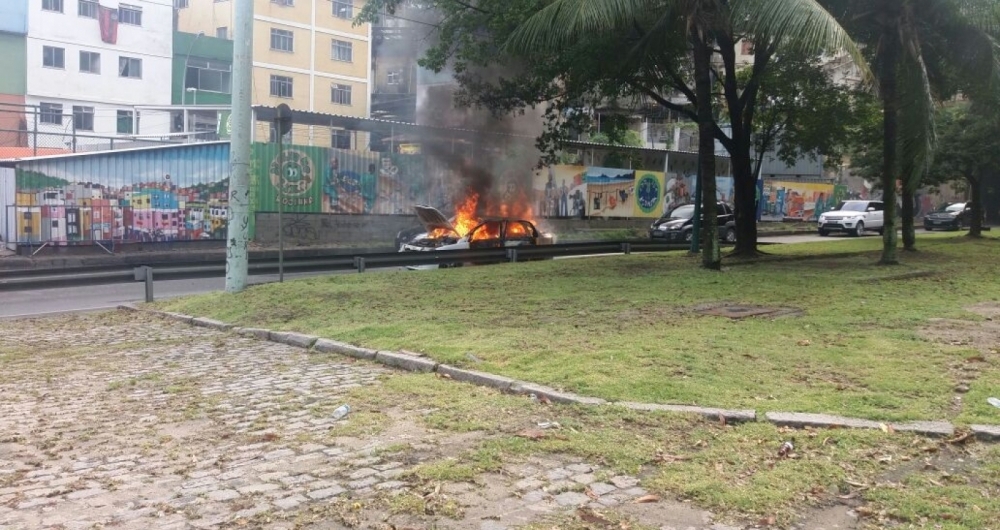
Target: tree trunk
{"x": 976, "y": 223}
{"x": 710, "y": 254}
{"x": 907, "y": 213}
{"x": 744, "y": 199}
{"x": 890, "y": 106}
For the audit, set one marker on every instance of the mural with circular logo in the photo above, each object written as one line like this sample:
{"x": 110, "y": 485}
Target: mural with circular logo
{"x": 295, "y": 175}
{"x": 649, "y": 193}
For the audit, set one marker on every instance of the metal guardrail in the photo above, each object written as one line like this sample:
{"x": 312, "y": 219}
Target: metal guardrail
{"x": 43, "y": 279}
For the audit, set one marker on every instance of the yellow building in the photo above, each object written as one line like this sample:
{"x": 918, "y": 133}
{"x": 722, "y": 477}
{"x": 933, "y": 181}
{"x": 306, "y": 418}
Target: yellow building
{"x": 306, "y": 53}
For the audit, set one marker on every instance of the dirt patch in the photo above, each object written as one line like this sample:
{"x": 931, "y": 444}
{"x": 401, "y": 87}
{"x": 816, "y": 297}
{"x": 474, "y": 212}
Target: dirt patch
{"x": 983, "y": 336}
{"x": 742, "y": 311}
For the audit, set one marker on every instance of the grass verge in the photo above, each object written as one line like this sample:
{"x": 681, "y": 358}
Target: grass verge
{"x": 623, "y": 328}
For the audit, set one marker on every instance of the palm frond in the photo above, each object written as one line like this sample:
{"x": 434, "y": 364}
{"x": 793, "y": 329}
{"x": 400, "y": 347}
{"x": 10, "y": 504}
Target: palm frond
{"x": 563, "y": 22}
{"x": 917, "y": 127}
{"x": 803, "y": 25}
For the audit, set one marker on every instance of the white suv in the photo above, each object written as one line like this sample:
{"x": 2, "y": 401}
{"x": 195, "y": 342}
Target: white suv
{"x": 853, "y": 217}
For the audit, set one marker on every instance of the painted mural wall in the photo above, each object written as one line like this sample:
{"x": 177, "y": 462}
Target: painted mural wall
{"x": 159, "y": 194}
{"x": 321, "y": 180}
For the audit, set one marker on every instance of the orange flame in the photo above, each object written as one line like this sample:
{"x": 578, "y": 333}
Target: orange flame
{"x": 465, "y": 214}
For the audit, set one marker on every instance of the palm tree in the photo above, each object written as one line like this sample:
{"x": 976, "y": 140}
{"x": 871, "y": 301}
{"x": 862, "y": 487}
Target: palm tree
{"x": 773, "y": 25}
{"x": 915, "y": 48}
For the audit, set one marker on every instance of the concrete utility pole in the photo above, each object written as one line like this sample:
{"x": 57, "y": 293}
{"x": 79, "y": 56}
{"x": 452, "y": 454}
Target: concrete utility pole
{"x": 237, "y": 248}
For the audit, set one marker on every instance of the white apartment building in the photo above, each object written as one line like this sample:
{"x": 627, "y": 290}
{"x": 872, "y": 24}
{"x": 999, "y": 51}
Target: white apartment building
{"x": 89, "y": 62}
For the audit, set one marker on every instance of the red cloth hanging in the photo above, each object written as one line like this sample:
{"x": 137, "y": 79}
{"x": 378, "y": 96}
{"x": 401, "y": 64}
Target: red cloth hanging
{"x": 109, "y": 24}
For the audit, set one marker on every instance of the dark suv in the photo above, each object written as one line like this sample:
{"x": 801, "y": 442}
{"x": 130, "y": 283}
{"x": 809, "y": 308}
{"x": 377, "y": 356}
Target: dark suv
{"x": 950, "y": 217}
{"x": 677, "y": 226}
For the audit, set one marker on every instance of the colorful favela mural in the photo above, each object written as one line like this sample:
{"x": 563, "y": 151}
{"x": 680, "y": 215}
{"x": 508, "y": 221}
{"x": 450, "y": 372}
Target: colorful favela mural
{"x": 157, "y": 194}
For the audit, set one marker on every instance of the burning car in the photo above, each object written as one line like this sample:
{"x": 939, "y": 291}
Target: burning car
{"x": 466, "y": 231}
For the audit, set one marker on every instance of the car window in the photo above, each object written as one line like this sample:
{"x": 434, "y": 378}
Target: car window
{"x": 682, "y": 212}
{"x": 878, "y": 206}
{"x": 853, "y": 206}
{"x": 487, "y": 231}
{"x": 519, "y": 230}
{"x": 720, "y": 209}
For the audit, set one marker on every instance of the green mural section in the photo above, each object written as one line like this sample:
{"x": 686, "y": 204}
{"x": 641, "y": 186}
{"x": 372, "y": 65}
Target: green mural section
{"x": 294, "y": 179}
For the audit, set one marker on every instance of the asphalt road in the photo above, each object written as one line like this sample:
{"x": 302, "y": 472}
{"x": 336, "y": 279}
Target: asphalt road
{"x": 42, "y": 302}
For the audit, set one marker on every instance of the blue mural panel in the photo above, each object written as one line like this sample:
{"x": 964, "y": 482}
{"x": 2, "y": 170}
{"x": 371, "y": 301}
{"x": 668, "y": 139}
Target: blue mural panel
{"x": 156, "y": 194}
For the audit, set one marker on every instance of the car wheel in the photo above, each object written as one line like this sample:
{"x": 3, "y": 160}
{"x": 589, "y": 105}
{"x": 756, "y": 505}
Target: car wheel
{"x": 928, "y": 229}
{"x": 859, "y": 231}
{"x": 824, "y": 233}
{"x": 730, "y": 235}
{"x": 688, "y": 236}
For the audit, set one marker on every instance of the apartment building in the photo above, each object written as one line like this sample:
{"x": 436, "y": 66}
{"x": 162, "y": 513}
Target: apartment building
{"x": 13, "y": 35}
{"x": 306, "y": 53}
{"x": 90, "y": 63}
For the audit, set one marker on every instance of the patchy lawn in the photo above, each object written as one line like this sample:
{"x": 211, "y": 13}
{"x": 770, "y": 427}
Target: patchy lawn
{"x": 623, "y": 328}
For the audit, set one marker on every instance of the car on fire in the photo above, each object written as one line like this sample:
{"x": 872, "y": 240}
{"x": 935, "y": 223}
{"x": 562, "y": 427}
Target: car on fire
{"x": 440, "y": 233}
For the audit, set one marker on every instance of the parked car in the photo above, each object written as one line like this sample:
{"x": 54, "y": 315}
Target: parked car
{"x": 950, "y": 217}
{"x": 678, "y": 225}
{"x": 440, "y": 234}
{"x": 853, "y": 217}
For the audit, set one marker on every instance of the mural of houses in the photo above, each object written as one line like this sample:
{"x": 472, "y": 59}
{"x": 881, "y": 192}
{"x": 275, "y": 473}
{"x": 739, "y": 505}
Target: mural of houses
{"x": 175, "y": 193}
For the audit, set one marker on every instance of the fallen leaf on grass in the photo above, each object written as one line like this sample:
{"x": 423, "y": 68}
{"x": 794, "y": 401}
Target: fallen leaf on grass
{"x": 532, "y": 434}
{"x": 847, "y": 497}
{"x": 647, "y": 498}
{"x": 767, "y": 521}
{"x": 804, "y": 342}
{"x": 886, "y": 428}
{"x": 593, "y": 516}
{"x": 590, "y": 493}
{"x": 669, "y": 459}
{"x": 960, "y": 438}
{"x": 444, "y": 376}
{"x": 976, "y": 359}
{"x": 864, "y": 511}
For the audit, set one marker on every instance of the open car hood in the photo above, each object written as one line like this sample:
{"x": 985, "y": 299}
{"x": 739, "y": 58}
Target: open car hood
{"x": 433, "y": 219}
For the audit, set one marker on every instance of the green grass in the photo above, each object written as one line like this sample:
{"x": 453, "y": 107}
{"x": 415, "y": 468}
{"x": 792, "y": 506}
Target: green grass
{"x": 621, "y": 327}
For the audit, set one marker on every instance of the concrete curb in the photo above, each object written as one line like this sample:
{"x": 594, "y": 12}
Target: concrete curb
{"x": 731, "y": 416}
{"x": 934, "y": 429}
{"x": 412, "y": 363}
{"x": 987, "y": 433}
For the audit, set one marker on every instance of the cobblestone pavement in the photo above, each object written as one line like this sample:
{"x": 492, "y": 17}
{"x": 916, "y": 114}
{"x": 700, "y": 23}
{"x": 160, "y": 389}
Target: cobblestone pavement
{"x": 124, "y": 421}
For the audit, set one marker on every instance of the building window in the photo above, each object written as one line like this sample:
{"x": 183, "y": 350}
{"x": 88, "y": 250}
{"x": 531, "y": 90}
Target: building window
{"x": 222, "y": 33}
{"x": 130, "y": 67}
{"x": 343, "y": 51}
{"x": 83, "y": 118}
{"x": 50, "y": 113}
{"x": 125, "y": 122}
{"x": 180, "y": 4}
{"x": 53, "y": 5}
{"x": 281, "y": 86}
{"x": 340, "y": 139}
{"x": 343, "y": 9}
{"x": 90, "y": 62}
{"x": 282, "y": 40}
{"x": 341, "y": 94}
{"x": 53, "y": 57}
{"x": 130, "y": 15}
{"x": 394, "y": 77}
{"x": 288, "y": 3}
{"x": 209, "y": 76}
{"x": 87, "y": 8}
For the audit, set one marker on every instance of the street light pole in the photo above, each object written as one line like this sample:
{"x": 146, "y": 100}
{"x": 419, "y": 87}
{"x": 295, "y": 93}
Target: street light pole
{"x": 237, "y": 242}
